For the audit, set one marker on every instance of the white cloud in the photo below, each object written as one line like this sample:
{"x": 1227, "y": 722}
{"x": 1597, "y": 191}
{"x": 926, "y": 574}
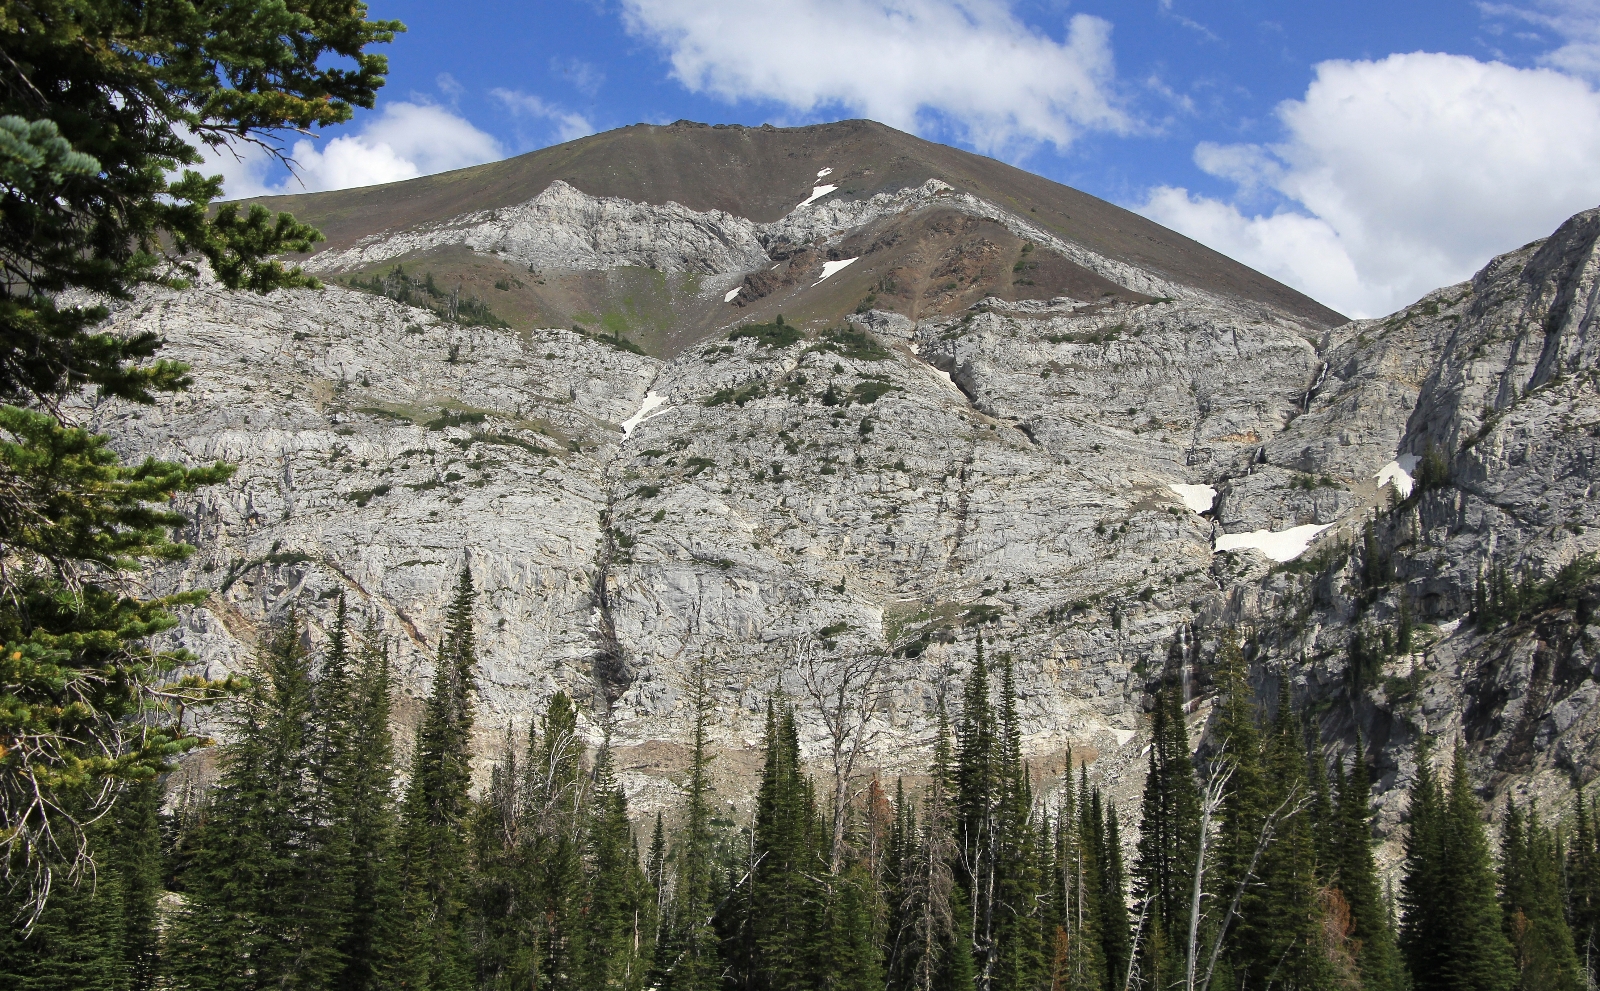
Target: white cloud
{"x": 403, "y": 141}
{"x": 1576, "y": 22}
{"x": 970, "y": 65}
{"x": 1401, "y": 175}
{"x": 568, "y": 126}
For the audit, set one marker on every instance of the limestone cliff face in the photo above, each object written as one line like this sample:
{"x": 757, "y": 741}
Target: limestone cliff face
{"x": 1039, "y": 471}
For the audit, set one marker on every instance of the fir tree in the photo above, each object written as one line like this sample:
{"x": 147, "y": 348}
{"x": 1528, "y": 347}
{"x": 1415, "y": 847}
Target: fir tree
{"x": 620, "y": 923}
{"x": 976, "y": 802}
{"x": 1583, "y": 884}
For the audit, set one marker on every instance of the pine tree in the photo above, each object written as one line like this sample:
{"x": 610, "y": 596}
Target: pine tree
{"x": 620, "y": 930}
{"x": 552, "y": 837}
{"x": 1583, "y": 884}
{"x": 1530, "y": 895}
{"x": 432, "y": 857}
{"x": 374, "y": 923}
{"x": 1019, "y": 943}
{"x": 76, "y": 943}
{"x": 1114, "y": 935}
{"x": 1246, "y": 955}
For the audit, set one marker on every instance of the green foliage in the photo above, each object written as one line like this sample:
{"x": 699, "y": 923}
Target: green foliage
{"x": 1452, "y": 930}
{"x": 1433, "y": 471}
{"x": 1501, "y": 600}
{"x": 769, "y": 335}
{"x": 856, "y": 345}
{"x": 1531, "y": 898}
{"x": 85, "y": 702}
{"x": 425, "y": 293}
{"x": 736, "y": 395}
{"x": 101, "y": 101}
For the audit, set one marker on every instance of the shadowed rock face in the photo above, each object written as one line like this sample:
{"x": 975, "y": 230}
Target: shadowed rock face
{"x": 954, "y": 459}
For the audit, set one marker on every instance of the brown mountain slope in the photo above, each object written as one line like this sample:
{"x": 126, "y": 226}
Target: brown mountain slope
{"x": 754, "y": 172}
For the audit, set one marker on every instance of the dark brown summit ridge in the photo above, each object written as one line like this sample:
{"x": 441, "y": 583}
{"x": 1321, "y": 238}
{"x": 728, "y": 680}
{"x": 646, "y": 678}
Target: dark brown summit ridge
{"x": 754, "y": 172}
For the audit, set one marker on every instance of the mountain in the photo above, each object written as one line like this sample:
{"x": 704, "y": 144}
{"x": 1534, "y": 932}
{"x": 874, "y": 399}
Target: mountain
{"x": 1017, "y": 411}
{"x": 703, "y": 202}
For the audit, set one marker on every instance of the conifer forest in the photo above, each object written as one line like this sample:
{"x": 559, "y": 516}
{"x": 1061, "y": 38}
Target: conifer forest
{"x": 322, "y": 859}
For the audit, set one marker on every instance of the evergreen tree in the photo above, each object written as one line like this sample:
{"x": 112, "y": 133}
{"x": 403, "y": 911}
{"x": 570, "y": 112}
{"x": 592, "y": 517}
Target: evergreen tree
{"x": 1530, "y": 896}
{"x": 976, "y": 804}
{"x": 1114, "y": 935}
{"x": 1356, "y": 873}
{"x": 688, "y": 960}
{"x": 1019, "y": 945}
{"x": 257, "y": 913}
{"x": 1583, "y": 884}
{"x": 1247, "y": 958}
{"x": 1169, "y": 828}
{"x": 1452, "y": 931}
{"x": 77, "y": 943}
{"x": 620, "y": 930}
{"x": 432, "y": 855}
{"x": 781, "y": 904}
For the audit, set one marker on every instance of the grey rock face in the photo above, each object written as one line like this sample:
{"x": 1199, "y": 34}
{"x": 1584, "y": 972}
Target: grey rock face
{"x": 564, "y": 228}
{"x": 900, "y": 488}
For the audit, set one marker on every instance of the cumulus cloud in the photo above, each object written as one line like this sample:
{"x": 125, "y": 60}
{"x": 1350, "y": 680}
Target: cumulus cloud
{"x": 403, "y": 141}
{"x": 1398, "y": 176}
{"x": 568, "y": 126}
{"x": 971, "y": 66}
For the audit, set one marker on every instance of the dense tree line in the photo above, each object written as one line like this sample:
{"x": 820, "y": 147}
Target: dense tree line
{"x": 308, "y": 865}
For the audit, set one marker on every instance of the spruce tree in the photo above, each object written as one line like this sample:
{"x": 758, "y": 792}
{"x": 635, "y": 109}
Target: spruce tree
{"x": 1243, "y": 814}
{"x": 1169, "y": 828}
{"x": 1019, "y": 933}
{"x": 1452, "y": 932}
{"x": 432, "y": 855}
{"x": 976, "y": 803}
{"x": 256, "y": 912}
{"x": 1114, "y": 936}
{"x": 1583, "y": 884}
{"x": 620, "y": 921}
{"x": 688, "y": 959}
{"x": 782, "y": 904}
{"x": 1356, "y": 873}
{"x": 1530, "y": 896}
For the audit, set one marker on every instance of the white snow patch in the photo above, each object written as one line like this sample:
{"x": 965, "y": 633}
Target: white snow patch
{"x": 651, "y": 401}
{"x": 1123, "y": 736}
{"x": 828, "y": 268}
{"x": 1198, "y": 498}
{"x": 1450, "y": 627}
{"x": 824, "y": 172}
{"x": 1282, "y": 545}
{"x": 1398, "y": 473}
{"x": 817, "y": 193}
{"x": 732, "y": 293}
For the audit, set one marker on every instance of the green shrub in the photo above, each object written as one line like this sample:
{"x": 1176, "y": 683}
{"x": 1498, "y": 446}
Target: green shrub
{"x": 768, "y": 335}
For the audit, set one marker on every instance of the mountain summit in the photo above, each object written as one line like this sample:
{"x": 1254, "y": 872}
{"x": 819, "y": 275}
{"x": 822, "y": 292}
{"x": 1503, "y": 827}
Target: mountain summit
{"x": 932, "y": 230}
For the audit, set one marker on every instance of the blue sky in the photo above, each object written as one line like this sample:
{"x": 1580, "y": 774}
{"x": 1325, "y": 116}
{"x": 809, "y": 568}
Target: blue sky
{"x": 1364, "y": 152}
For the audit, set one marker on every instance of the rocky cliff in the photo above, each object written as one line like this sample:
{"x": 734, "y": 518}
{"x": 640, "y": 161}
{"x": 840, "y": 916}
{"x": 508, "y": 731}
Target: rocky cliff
{"x": 972, "y": 420}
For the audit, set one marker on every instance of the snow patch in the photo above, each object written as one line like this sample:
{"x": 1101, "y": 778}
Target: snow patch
{"x": 828, "y": 268}
{"x": 1398, "y": 473}
{"x": 1282, "y": 545}
{"x": 1450, "y": 627}
{"x": 1198, "y": 498}
{"x": 817, "y": 193}
{"x": 1123, "y": 736}
{"x": 732, "y": 293}
{"x": 824, "y": 172}
{"x": 651, "y": 401}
